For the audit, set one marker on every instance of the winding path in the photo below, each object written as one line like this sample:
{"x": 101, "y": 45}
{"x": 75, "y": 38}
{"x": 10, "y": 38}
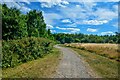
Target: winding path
{"x": 71, "y": 65}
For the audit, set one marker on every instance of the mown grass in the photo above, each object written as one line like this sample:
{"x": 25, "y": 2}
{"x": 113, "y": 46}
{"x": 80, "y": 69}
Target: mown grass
{"x": 103, "y": 66}
{"x": 40, "y": 68}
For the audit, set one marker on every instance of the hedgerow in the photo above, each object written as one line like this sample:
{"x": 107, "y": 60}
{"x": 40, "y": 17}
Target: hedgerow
{"x": 15, "y": 52}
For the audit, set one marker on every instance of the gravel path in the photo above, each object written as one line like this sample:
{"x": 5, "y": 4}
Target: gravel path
{"x": 71, "y": 66}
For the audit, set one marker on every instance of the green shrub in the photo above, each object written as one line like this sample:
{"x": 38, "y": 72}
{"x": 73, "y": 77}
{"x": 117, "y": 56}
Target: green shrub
{"x": 19, "y": 51}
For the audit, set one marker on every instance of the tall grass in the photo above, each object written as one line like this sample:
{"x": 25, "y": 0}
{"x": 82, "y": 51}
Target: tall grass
{"x": 110, "y": 51}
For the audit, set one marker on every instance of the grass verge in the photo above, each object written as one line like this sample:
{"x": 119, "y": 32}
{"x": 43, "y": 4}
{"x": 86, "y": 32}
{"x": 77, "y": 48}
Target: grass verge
{"x": 40, "y": 68}
{"x": 104, "y": 67}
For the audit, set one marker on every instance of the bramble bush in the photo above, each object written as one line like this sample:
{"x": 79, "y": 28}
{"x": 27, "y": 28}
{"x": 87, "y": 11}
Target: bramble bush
{"x": 20, "y": 51}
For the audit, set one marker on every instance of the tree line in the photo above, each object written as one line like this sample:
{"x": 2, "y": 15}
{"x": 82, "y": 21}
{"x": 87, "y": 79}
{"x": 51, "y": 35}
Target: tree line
{"x": 83, "y": 38}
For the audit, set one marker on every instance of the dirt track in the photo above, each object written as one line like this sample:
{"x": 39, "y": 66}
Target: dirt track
{"x": 71, "y": 65}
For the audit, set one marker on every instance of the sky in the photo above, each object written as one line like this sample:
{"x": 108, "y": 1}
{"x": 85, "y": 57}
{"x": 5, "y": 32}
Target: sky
{"x": 74, "y": 16}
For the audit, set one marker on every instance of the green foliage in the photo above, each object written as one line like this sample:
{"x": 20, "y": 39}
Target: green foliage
{"x": 16, "y": 25}
{"x": 23, "y": 50}
{"x": 10, "y": 22}
{"x": 49, "y": 32}
{"x": 83, "y": 38}
{"x": 16, "y": 48}
{"x": 20, "y": 33}
{"x": 36, "y": 24}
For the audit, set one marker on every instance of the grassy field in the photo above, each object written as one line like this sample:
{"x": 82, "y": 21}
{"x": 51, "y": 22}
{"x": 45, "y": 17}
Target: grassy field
{"x": 102, "y": 65}
{"x": 40, "y": 68}
{"x": 107, "y": 50}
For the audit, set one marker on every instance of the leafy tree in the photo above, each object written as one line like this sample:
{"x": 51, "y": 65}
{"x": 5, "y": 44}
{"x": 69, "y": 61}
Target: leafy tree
{"x": 49, "y": 32}
{"x": 17, "y": 25}
{"x": 10, "y": 23}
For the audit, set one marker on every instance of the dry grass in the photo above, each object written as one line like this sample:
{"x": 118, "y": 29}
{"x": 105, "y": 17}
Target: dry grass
{"x": 103, "y": 66}
{"x": 107, "y": 50}
{"x": 40, "y": 68}
{"x": 103, "y": 58}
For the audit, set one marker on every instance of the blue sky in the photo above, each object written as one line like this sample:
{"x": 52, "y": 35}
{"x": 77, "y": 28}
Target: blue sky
{"x": 74, "y": 16}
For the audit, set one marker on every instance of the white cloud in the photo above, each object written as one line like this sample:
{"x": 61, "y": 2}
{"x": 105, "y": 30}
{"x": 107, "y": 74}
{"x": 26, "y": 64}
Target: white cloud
{"x": 107, "y": 33}
{"x": 26, "y": 1}
{"x": 78, "y": 13}
{"x": 53, "y": 31}
{"x": 41, "y": 0}
{"x": 75, "y": 30}
{"x": 66, "y": 21}
{"x": 7, "y": 0}
{"x": 45, "y": 5}
{"x": 61, "y": 28}
{"x": 63, "y": 6}
{"x": 106, "y": 14}
{"x": 77, "y": 5}
{"x": 110, "y": 0}
{"x": 93, "y": 0}
{"x": 72, "y": 30}
{"x": 71, "y": 25}
{"x": 95, "y": 22}
{"x": 51, "y": 3}
{"x": 91, "y": 30}
{"x": 25, "y": 9}
{"x": 17, "y": 5}
{"x": 73, "y": 13}
{"x": 69, "y": 0}
{"x": 50, "y": 17}
{"x": 85, "y": 11}
{"x": 12, "y": 4}
{"x": 116, "y": 25}
{"x": 115, "y": 7}
{"x": 49, "y": 26}
{"x": 65, "y": 2}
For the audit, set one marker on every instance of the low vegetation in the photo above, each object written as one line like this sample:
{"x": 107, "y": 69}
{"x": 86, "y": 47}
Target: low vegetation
{"x": 102, "y": 65}
{"x": 40, "y": 68}
{"x": 110, "y": 51}
{"x": 20, "y": 51}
